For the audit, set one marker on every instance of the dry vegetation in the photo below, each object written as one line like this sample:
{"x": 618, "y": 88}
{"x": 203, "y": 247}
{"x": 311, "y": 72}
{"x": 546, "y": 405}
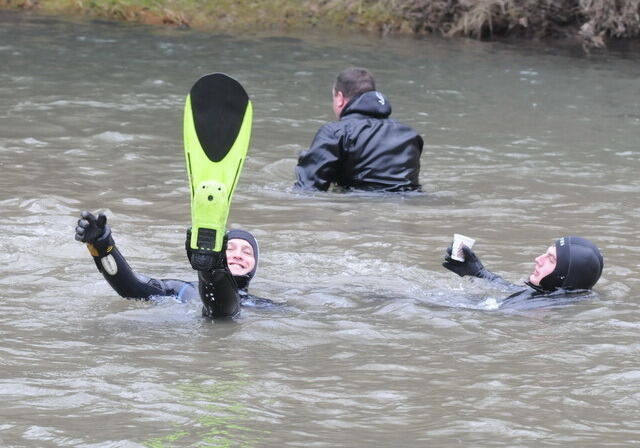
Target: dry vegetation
{"x": 591, "y": 22}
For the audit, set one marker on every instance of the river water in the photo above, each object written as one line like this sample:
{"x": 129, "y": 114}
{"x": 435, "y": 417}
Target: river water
{"x": 378, "y": 344}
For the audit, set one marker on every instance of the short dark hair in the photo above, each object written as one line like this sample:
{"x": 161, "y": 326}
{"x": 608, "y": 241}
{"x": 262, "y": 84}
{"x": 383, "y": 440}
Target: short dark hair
{"x": 354, "y": 81}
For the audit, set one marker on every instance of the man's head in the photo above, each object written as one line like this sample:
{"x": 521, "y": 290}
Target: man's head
{"x": 242, "y": 256}
{"x": 571, "y": 263}
{"x": 545, "y": 264}
{"x": 349, "y": 84}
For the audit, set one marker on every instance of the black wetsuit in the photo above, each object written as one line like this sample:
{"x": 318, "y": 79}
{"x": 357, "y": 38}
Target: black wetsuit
{"x": 364, "y": 150}
{"x": 219, "y": 290}
{"x": 578, "y": 267}
{"x": 530, "y": 296}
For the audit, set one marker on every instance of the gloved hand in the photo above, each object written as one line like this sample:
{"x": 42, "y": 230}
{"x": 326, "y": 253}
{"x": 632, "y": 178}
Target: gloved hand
{"x": 206, "y": 260}
{"x": 90, "y": 228}
{"x": 470, "y": 266}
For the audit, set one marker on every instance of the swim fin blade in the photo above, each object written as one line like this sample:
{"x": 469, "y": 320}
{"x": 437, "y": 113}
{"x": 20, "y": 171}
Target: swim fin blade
{"x": 217, "y": 130}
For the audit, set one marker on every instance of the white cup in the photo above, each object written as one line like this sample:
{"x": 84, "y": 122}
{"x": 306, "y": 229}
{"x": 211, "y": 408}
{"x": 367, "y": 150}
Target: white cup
{"x": 458, "y": 242}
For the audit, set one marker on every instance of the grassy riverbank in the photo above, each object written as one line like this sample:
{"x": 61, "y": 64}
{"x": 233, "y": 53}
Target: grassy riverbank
{"x": 589, "y": 22}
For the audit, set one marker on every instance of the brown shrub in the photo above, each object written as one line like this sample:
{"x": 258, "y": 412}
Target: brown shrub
{"x": 591, "y": 21}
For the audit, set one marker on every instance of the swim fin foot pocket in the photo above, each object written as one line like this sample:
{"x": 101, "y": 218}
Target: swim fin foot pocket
{"x": 217, "y": 129}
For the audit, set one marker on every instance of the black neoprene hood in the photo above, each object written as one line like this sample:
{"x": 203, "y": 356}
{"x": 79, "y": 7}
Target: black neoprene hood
{"x": 579, "y": 265}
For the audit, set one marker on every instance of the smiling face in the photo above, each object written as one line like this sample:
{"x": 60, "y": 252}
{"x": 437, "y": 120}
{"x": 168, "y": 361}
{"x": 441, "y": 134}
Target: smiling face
{"x": 240, "y": 257}
{"x": 545, "y": 264}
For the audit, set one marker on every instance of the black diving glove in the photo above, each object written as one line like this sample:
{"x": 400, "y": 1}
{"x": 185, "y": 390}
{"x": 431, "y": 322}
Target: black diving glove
{"x": 470, "y": 266}
{"x": 206, "y": 260}
{"x": 95, "y": 233}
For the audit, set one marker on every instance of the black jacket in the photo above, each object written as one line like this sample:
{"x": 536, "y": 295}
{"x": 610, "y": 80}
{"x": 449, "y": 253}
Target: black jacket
{"x": 365, "y": 150}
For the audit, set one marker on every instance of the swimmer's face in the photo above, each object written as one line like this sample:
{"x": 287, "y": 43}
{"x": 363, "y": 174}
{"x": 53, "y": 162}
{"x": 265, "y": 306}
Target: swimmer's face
{"x": 545, "y": 264}
{"x": 240, "y": 256}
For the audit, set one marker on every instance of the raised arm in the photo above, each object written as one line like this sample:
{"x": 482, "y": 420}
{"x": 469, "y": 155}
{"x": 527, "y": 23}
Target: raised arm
{"x": 95, "y": 232}
{"x": 218, "y": 289}
{"x": 473, "y": 267}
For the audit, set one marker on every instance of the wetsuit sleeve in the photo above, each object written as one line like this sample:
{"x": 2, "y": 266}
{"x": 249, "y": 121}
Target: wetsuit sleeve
{"x": 317, "y": 167}
{"x": 115, "y": 269}
{"x": 251, "y": 301}
{"x": 219, "y": 293}
{"x": 471, "y": 265}
{"x": 495, "y": 278}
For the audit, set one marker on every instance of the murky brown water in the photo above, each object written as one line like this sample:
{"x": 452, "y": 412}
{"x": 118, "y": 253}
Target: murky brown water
{"x": 523, "y": 145}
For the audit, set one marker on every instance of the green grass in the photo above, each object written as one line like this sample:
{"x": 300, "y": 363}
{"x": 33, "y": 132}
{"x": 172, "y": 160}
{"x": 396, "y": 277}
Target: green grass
{"x": 228, "y": 15}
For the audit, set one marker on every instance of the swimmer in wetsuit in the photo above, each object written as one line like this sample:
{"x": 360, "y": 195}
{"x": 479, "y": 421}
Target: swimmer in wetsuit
{"x": 571, "y": 266}
{"x": 222, "y": 290}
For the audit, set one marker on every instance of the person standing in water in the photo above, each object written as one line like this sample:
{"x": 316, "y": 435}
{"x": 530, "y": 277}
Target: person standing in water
{"x": 364, "y": 149}
{"x": 572, "y": 265}
{"x": 222, "y": 292}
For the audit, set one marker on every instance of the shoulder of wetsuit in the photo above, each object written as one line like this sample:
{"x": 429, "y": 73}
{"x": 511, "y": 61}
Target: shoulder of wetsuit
{"x": 497, "y": 280}
{"x": 524, "y": 293}
{"x": 180, "y": 289}
{"x": 251, "y": 301}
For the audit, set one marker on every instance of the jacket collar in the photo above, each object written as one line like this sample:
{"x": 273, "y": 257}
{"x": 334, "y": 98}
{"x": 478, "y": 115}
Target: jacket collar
{"x": 370, "y": 104}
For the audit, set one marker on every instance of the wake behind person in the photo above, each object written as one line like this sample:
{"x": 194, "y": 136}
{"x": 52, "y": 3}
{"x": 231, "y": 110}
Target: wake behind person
{"x": 364, "y": 149}
{"x": 222, "y": 290}
{"x": 567, "y": 269}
